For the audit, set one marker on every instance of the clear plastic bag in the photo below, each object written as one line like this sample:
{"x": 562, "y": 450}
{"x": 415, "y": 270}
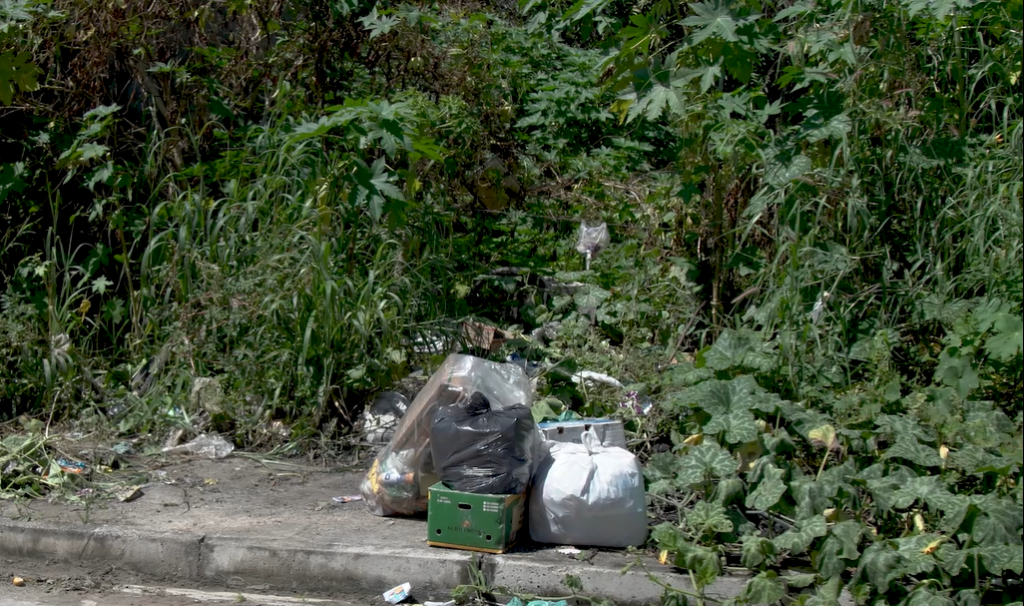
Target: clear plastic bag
{"x": 588, "y": 495}
{"x": 398, "y": 480}
{"x": 210, "y": 446}
{"x": 593, "y": 239}
{"x": 482, "y": 450}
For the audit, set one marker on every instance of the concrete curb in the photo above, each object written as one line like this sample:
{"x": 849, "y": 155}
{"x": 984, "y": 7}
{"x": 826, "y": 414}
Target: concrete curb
{"x": 304, "y": 567}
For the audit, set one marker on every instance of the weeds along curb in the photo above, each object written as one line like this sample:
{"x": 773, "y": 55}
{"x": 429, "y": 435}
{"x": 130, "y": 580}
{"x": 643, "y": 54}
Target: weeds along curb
{"x": 301, "y": 566}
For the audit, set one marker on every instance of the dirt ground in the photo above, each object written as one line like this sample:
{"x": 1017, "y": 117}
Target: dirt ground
{"x": 240, "y": 496}
{"x": 49, "y": 584}
{"x": 236, "y": 496}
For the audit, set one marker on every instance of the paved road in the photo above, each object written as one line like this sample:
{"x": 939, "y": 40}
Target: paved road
{"x": 148, "y": 596}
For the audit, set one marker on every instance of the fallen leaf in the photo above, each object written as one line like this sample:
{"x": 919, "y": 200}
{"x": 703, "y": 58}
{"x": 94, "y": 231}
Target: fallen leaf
{"x": 695, "y": 440}
{"x": 663, "y": 558}
{"x": 210, "y": 481}
{"x": 824, "y": 437}
{"x": 129, "y": 494}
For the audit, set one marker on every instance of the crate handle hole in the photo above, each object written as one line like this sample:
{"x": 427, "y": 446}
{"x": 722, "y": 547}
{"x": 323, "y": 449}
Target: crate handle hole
{"x": 438, "y": 531}
{"x": 465, "y": 506}
{"x": 488, "y": 537}
{"x": 561, "y": 430}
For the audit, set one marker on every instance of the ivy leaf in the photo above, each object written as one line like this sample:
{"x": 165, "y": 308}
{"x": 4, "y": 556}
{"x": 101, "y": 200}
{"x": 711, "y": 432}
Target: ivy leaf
{"x": 1008, "y": 340}
{"x": 902, "y": 426}
{"x": 881, "y": 565}
{"x": 708, "y": 518}
{"x": 796, "y": 540}
{"x": 668, "y": 537}
{"x": 702, "y": 562}
{"x": 728, "y": 351}
{"x": 756, "y": 550}
{"x": 765, "y": 588}
{"x": 842, "y": 544}
{"x": 918, "y": 552}
{"x": 709, "y": 460}
{"x": 711, "y": 20}
{"x": 827, "y": 594}
{"x": 768, "y": 491}
{"x": 100, "y": 285}
{"x": 915, "y": 452}
{"x": 924, "y": 596}
{"x": 929, "y": 490}
{"x": 729, "y": 403}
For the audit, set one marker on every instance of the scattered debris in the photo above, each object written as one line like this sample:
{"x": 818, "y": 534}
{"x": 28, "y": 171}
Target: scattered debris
{"x": 208, "y": 395}
{"x": 382, "y": 417}
{"x": 819, "y": 306}
{"x": 348, "y": 499}
{"x": 398, "y": 594}
{"x": 19, "y": 582}
{"x": 129, "y": 494}
{"x": 593, "y": 239}
{"x": 641, "y": 405}
{"x": 448, "y": 603}
{"x": 610, "y": 432}
{"x": 483, "y": 336}
{"x": 518, "y": 602}
{"x": 75, "y": 467}
{"x": 532, "y": 368}
{"x": 569, "y": 551}
{"x": 122, "y": 448}
{"x": 596, "y": 377}
{"x": 210, "y": 446}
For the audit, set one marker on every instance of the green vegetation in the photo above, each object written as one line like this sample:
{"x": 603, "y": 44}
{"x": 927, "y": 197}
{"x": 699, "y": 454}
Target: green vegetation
{"x": 816, "y": 271}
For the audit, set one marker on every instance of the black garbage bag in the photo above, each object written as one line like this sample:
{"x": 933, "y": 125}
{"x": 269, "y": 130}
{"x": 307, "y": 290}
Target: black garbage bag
{"x": 483, "y": 450}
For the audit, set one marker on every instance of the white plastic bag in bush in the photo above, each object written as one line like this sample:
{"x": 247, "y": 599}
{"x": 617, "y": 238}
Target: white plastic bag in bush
{"x": 588, "y": 494}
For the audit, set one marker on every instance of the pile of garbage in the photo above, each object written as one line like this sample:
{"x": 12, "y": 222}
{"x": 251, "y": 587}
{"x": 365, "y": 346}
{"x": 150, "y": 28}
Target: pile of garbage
{"x": 468, "y": 452}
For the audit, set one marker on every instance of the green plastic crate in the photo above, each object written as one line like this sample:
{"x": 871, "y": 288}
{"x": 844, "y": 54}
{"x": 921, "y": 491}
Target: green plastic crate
{"x": 478, "y": 522}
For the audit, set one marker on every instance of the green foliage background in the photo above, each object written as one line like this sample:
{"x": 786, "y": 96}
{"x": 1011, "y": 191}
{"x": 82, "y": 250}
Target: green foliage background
{"x": 816, "y": 270}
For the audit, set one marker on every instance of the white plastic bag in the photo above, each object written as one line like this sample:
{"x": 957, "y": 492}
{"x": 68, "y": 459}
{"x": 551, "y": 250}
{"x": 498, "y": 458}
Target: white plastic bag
{"x": 588, "y": 494}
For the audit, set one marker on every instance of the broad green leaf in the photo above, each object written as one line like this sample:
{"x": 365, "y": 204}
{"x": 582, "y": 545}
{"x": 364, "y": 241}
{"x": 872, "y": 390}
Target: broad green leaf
{"x": 668, "y": 537}
{"x": 918, "y": 552}
{"x": 703, "y": 562}
{"x": 796, "y": 540}
{"x": 880, "y": 565}
{"x": 783, "y": 174}
{"x": 711, "y": 20}
{"x": 926, "y": 489}
{"x": 729, "y": 404}
{"x": 591, "y": 297}
{"x": 1008, "y": 340}
{"x": 707, "y": 461}
{"x": 729, "y": 490}
{"x": 708, "y": 518}
{"x": 915, "y": 452}
{"x": 995, "y": 558}
{"x": 756, "y": 550}
{"x": 903, "y": 426}
{"x": 542, "y": 410}
{"x": 827, "y": 594}
{"x": 768, "y": 491}
{"x": 765, "y": 588}
{"x": 728, "y": 351}
{"x": 924, "y": 596}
